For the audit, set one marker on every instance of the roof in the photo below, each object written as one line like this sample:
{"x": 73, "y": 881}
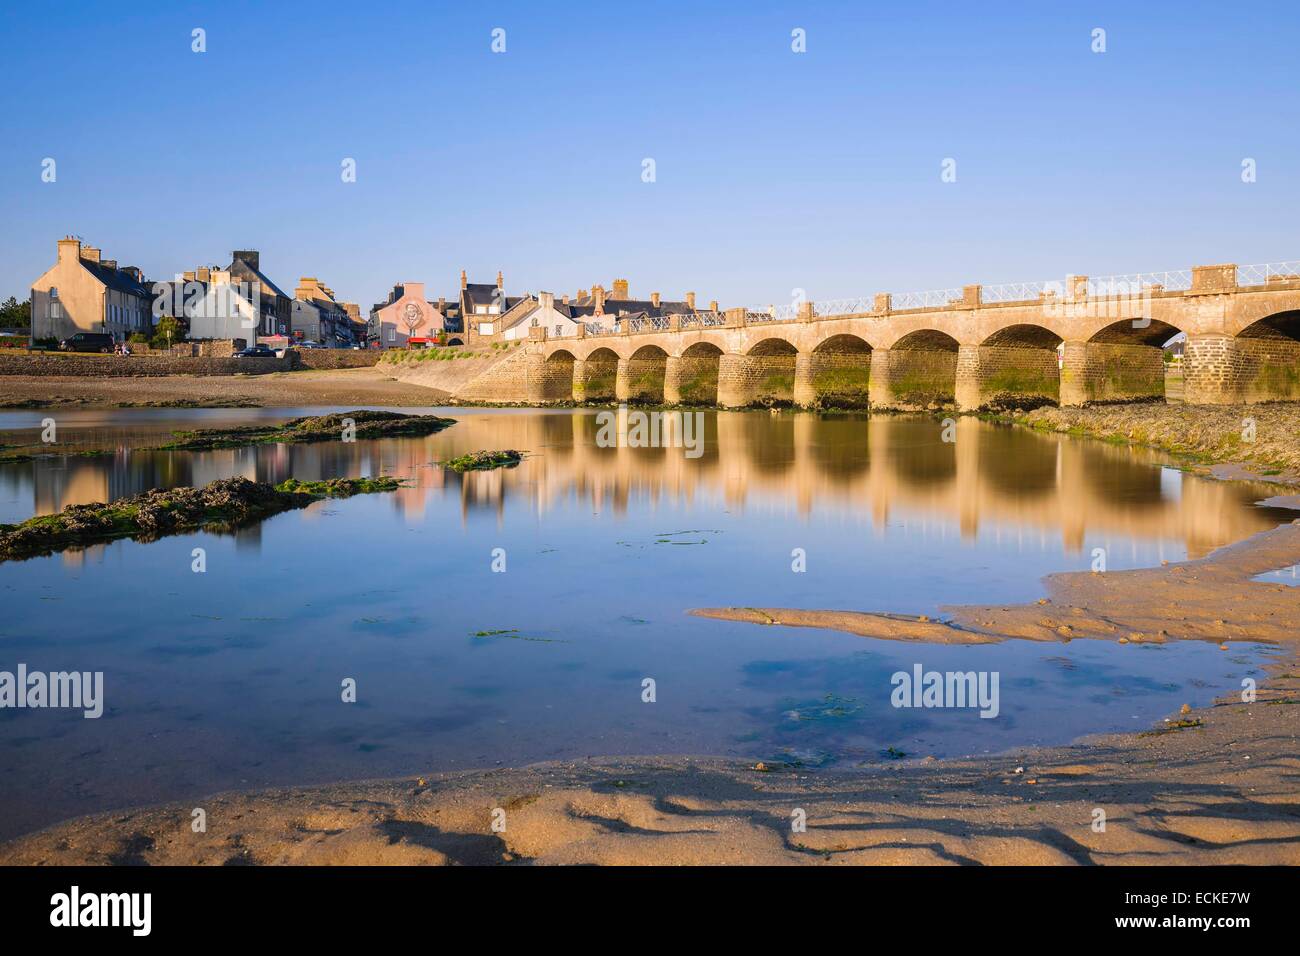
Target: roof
{"x": 261, "y": 276}
{"x": 116, "y": 279}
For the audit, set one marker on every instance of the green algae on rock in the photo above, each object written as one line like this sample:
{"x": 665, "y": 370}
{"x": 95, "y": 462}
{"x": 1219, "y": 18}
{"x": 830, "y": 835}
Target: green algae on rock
{"x": 222, "y": 505}
{"x": 485, "y": 460}
{"x": 357, "y": 424}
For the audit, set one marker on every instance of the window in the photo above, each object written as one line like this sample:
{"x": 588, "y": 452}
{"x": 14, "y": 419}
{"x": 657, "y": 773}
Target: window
{"x": 559, "y": 330}
{"x": 392, "y": 333}
{"x": 54, "y": 292}
{"x": 536, "y": 321}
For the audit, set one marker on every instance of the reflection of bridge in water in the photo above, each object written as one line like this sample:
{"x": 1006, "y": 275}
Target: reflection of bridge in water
{"x": 882, "y": 468}
{"x": 991, "y": 478}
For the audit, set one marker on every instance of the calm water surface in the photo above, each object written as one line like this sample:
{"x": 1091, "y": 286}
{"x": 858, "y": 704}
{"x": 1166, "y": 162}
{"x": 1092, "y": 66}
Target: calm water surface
{"x": 231, "y": 678}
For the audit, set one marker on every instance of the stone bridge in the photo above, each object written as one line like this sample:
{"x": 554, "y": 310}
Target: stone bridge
{"x": 1070, "y": 342}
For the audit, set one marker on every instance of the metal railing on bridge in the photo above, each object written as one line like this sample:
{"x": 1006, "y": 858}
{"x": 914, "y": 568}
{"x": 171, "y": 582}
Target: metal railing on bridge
{"x": 1268, "y": 272}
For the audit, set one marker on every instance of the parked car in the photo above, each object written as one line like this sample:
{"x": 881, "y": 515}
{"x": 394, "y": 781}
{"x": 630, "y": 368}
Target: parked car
{"x": 309, "y": 344}
{"x": 255, "y": 351}
{"x": 87, "y": 342}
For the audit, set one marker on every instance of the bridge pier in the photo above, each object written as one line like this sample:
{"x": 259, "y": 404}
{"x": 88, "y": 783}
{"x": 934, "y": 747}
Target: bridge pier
{"x": 623, "y": 381}
{"x": 805, "y": 393}
{"x": 1111, "y": 372}
{"x": 673, "y": 380}
{"x": 1212, "y": 370}
{"x": 879, "y": 390}
{"x": 968, "y": 390}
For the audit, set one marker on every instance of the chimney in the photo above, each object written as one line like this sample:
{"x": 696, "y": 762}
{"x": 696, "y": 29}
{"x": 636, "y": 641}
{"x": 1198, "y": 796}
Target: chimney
{"x": 690, "y": 301}
{"x": 204, "y": 274}
{"x": 90, "y": 253}
{"x": 713, "y": 305}
{"x": 69, "y": 248}
{"x": 654, "y": 299}
{"x": 442, "y": 304}
{"x": 134, "y": 273}
{"x": 189, "y": 276}
{"x": 251, "y": 257}
{"x": 598, "y": 298}
{"x": 565, "y": 300}
{"x": 546, "y": 300}
{"x": 463, "y": 280}
{"x": 109, "y": 264}
{"x": 501, "y": 280}
{"x": 620, "y": 289}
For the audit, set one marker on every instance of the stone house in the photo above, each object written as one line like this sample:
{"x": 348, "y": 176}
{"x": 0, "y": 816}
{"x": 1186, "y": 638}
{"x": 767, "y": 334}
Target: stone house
{"x": 82, "y": 292}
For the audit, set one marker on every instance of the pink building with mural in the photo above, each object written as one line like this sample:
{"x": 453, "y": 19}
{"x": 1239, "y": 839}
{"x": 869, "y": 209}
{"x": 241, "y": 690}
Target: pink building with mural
{"x": 404, "y": 315}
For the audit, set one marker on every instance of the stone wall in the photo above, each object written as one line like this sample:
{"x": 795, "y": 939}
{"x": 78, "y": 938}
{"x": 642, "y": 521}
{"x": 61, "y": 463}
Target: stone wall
{"x": 1211, "y": 370}
{"x": 695, "y": 380}
{"x": 1111, "y": 372}
{"x": 745, "y": 380}
{"x": 641, "y": 380}
{"x": 552, "y": 380}
{"x": 594, "y": 380}
{"x": 1268, "y": 368}
{"x": 833, "y": 379}
{"x": 515, "y": 378}
{"x": 337, "y": 358}
{"x": 918, "y": 377}
{"x": 1008, "y": 372}
{"x": 136, "y": 366}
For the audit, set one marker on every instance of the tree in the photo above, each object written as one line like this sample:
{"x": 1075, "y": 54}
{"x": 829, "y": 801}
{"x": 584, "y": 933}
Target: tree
{"x": 15, "y": 314}
{"x": 168, "y": 332}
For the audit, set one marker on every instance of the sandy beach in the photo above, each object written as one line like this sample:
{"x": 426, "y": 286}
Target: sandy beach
{"x": 359, "y": 386}
{"x": 1214, "y": 785}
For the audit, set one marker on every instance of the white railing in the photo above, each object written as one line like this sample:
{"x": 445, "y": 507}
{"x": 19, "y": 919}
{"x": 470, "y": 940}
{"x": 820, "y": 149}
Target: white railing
{"x": 828, "y": 307}
{"x": 595, "y": 328}
{"x": 704, "y": 320}
{"x": 1176, "y": 280}
{"x": 1261, "y": 274}
{"x": 934, "y": 299}
{"x": 773, "y": 313}
{"x": 1019, "y": 291}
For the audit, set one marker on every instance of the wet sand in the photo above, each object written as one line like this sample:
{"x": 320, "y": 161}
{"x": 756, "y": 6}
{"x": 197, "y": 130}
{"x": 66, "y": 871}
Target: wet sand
{"x": 359, "y": 386}
{"x": 1217, "y": 785}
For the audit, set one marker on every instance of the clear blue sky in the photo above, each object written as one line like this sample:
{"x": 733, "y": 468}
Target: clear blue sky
{"x": 775, "y": 170}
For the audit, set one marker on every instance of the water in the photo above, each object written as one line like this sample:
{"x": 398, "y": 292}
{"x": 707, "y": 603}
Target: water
{"x": 231, "y": 679}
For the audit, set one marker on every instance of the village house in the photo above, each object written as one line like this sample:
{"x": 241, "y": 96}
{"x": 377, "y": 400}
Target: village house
{"x": 317, "y": 316}
{"x": 275, "y": 309}
{"x": 407, "y": 314}
{"x": 82, "y": 292}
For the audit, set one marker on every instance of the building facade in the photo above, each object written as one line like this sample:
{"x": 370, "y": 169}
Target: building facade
{"x": 83, "y": 292}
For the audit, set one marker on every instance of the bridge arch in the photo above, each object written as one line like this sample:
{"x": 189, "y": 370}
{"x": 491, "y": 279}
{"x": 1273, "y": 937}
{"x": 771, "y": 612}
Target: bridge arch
{"x": 555, "y": 383}
{"x": 595, "y": 378}
{"x": 641, "y": 377}
{"x": 835, "y": 374}
{"x": 763, "y": 376}
{"x": 692, "y": 377}
{"x": 1018, "y": 364}
{"x": 917, "y": 370}
{"x": 1119, "y": 361}
{"x": 1267, "y": 358}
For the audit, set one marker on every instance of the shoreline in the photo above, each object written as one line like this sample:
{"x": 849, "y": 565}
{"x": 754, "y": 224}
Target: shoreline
{"x": 1210, "y": 787}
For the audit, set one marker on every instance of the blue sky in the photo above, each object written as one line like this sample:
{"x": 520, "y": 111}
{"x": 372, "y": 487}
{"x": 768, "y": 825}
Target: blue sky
{"x": 774, "y": 170}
